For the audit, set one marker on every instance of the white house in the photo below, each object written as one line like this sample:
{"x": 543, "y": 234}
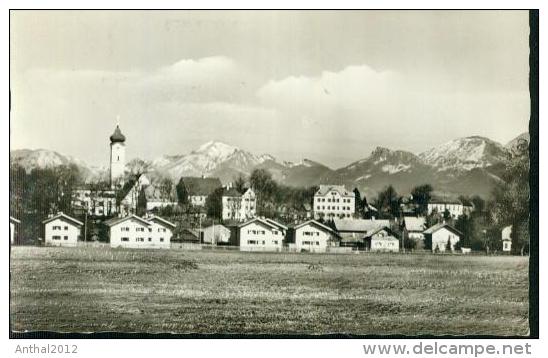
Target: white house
{"x": 453, "y": 206}
{"x": 135, "y": 232}
{"x": 314, "y": 236}
{"x": 160, "y": 232}
{"x": 238, "y": 206}
{"x": 383, "y": 240}
{"x": 61, "y": 230}
{"x": 333, "y": 201}
{"x": 13, "y": 222}
{"x": 216, "y": 234}
{"x": 507, "y": 238}
{"x": 415, "y": 227}
{"x": 260, "y": 235}
{"x": 438, "y": 236}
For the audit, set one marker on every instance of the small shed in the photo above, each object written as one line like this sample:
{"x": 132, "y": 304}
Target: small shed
{"x": 216, "y": 235}
{"x": 13, "y": 222}
{"x": 507, "y": 238}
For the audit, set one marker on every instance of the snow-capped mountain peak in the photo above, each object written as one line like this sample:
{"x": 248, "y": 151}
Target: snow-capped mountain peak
{"x": 215, "y": 149}
{"x": 465, "y": 154}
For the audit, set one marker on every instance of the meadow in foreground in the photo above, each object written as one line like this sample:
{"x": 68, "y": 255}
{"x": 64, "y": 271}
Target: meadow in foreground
{"x": 103, "y": 289}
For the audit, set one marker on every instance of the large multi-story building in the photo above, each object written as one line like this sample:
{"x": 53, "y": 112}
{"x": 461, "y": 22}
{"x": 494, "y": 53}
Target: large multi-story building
{"x": 334, "y": 201}
{"x": 238, "y": 206}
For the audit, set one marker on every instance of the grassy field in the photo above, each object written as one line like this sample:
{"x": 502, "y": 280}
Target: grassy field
{"x": 95, "y": 289}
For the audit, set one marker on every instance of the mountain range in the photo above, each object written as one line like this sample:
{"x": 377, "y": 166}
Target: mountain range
{"x": 470, "y": 165}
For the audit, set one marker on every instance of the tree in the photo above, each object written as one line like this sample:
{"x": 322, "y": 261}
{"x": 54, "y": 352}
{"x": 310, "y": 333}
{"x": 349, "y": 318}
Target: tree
{"x": 182, "y": 193}
{"x": 136, "y": 167}
{"x": 510, "y": 203}
{"x": 165, "y": 186}
{"x": 265, "y": 188}
{"x": 141, "y": 203}
{"x": 421, "y": 197}
{"x": 359, "y": 205}
{"x": 240, "y": 183}
{"x": 214, "y": 204}
{"x": 388, "y": 202}
{"x": 448, "y": 247}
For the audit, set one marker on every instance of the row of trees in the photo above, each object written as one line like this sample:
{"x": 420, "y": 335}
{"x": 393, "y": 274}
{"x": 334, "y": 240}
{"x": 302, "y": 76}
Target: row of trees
{"x": 38, "y": 193}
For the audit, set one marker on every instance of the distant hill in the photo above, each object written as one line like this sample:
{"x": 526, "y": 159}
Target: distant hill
{"x": 470, "y": 165}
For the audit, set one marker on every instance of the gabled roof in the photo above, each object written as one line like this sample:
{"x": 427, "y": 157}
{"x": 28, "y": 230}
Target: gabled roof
{"x": 415, "y": 223}
{"x": 385, "y": 228}
{"x": 359, "y": 225}
{"x": 261, "y": 221}
{"x": 316, "y": 223}
{"x": 14, "y": 220}
{"x": 439, "y": 226}
{"x": 116, "y": 221}
{"x": 200, "y": 186}
{"x": 275, "y": 223}
{"x": 232, "y": 192}
{"x": 161, "y": 221}
{"x": 64, "y": 216}
{"x": 216, "y": 227}
{"x": 444, "y": 200}
{"x": 324, "y": 189}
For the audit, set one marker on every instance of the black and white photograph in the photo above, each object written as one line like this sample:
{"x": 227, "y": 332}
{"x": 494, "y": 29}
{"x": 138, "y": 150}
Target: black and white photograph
{"x": 273, "y": 173}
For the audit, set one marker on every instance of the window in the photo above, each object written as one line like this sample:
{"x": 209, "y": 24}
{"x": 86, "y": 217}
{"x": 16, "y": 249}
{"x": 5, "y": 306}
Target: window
{"x": 317, "y": 243}
{"x": 161, "y": 239}
{"x": 251, "y": 242}
{"x": 56, "y": 237}
{"x": 149, "y": 239}
{"x": 140, "y": 239}
{"x": 66, "y": 227}
{"x": 66, "y": 238}
{"x": 275, "y": 242}
{"x": 56, "y": 228}
{"x": 125, "y": 239}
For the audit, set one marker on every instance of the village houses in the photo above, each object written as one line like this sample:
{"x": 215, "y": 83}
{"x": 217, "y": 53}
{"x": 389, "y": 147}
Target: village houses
{"x": 61, "y": 230}
{"x": 333, "y": 201}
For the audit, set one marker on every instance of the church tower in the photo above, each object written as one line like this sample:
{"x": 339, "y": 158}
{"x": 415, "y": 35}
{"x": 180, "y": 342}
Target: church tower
{"x": 117, "y": 157}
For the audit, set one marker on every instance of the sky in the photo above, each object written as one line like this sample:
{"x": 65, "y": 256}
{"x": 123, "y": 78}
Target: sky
{"x": 323, "y": 85}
